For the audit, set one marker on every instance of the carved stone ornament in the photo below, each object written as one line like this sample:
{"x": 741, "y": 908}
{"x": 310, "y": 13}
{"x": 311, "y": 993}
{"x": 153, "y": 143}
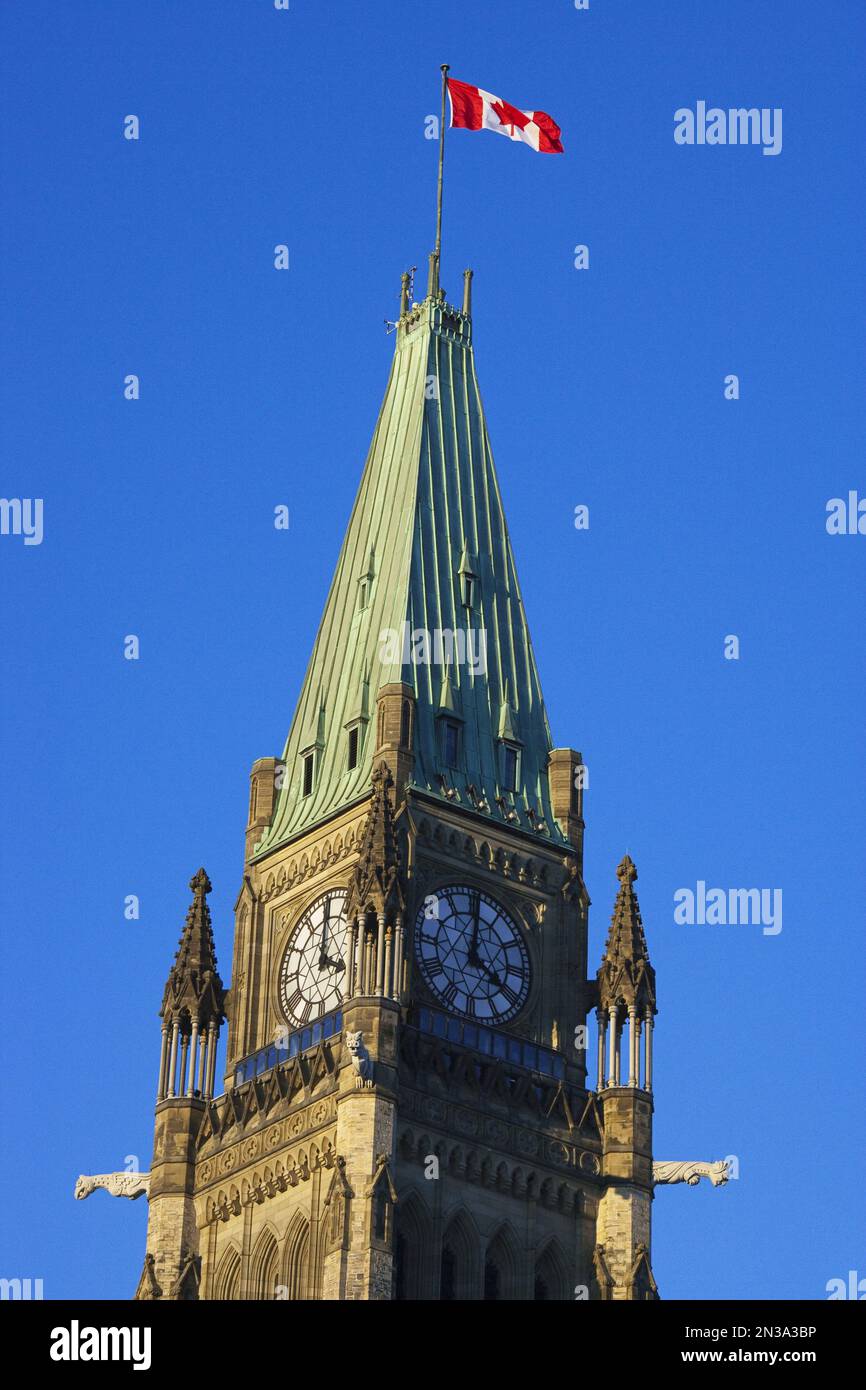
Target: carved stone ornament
{"x": 130, "y": 1185}
{"x": 692, "y": 1173}
{"x": 362, "y": 1062}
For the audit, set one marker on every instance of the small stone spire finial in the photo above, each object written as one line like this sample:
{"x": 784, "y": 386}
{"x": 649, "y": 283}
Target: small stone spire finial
{"x": 193, "y": 982}
{"x": 626, "y": 871}
{"x": 376, "y": 880}
{"x": 626, "y": 976}
{"x": 200, "y": 884}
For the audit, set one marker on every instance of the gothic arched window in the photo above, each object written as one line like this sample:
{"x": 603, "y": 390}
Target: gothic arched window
{"x": 297, "y": 1251}
{"x": 552, "y": 1283}
{"x": 265, "y": 1267}
{"x": 413, "y": 1271}
{"x": 227, "y": 1283}
{"x": 459, "y": 1276}
{"x": 501, "y": 1267}
{"x": 381, "y": 1212}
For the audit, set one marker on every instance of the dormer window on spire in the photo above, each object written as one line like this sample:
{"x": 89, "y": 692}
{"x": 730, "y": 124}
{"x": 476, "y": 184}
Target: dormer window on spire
{"x": 365, "y": 584}
{"x": 510, "y": 767}
{"x": 355, "y": 731}
{"x": 450, "y": 735}
{"x": 468, "y": 579}
{"x": 308, "y": 771}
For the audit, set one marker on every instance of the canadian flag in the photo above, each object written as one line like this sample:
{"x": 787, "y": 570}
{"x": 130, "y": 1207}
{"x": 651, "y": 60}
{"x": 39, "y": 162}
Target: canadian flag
{"x": 475, "y": 109}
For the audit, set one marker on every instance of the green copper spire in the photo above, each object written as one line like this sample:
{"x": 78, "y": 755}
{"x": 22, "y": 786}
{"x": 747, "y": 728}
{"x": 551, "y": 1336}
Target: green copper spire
{"x": 425, "y": 592}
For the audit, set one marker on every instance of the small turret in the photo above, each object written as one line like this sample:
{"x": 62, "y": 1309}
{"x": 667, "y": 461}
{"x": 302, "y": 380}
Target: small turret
{"x": 375, "y": 904}
{"x": 193, "y": 1004}
{"x": 626, "y": 988}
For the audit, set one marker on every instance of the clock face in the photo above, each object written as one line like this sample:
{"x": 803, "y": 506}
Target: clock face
{"x": 313, "y": 968}
{"x": 471, "y": 955}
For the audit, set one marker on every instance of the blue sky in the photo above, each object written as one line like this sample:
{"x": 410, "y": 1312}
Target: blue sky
{"x": 603, "y": 387}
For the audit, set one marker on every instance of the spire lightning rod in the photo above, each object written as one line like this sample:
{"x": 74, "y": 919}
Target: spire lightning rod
{"x": 433, "y": 287}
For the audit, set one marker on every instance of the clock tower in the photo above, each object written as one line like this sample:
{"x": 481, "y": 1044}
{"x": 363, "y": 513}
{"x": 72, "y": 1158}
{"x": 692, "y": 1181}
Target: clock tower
{"x": 405, "y": 1110}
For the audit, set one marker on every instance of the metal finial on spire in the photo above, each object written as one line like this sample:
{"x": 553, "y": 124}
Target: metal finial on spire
{"x": 467, "y": 293}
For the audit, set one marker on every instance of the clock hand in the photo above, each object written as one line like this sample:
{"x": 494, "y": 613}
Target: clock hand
{"x": 474, "y": 958}
{"x": 488, "y": 970}
{"x": 477, "y": 961}
{"x": 323, "y": 954}
{"x": 331, "y": 963}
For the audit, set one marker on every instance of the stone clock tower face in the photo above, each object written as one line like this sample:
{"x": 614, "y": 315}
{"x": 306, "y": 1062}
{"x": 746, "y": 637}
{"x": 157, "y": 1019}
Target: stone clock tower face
{"x": 471, "y": 955}
{"x": 314, "y": 965}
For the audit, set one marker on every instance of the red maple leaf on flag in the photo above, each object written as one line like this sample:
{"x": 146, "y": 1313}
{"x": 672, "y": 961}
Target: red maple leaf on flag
{"x": 509, "y": 115}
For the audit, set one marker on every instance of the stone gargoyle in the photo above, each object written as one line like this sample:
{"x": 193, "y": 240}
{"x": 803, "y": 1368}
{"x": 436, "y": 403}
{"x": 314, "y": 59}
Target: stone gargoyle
{"x": 129, "y": 1185}
{"x": 692, "y": 1173}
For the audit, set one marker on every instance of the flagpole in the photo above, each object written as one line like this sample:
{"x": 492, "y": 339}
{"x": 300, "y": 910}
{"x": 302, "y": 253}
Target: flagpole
{"x": 433, "y": 282}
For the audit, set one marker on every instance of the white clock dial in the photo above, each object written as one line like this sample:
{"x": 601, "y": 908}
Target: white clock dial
{"x": 471, "y": 955}
{"x": 314, "y": 966}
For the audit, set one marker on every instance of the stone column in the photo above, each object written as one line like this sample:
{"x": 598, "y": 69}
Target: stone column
{"x": 389, "y": 952}
{"x": 648, "y": 1050}
{"x": 211, "y": 1059}
{"x": 193, "y": 1045}
{"x": 633, "y": 1064}
{"x": 362, "y": 958}
{"x": 611, "y": 1044}
{"x": 380, "y": 954}
{"x": 184, "y": 1050}
{"x": 599, "y": 1013}
{"x": 351, "y": 951}
{"x": 397, "y": 991}
{"x": 359, "y": 961}
{"x": 163, "y": 1058}
{"x": 172, "y": 1061}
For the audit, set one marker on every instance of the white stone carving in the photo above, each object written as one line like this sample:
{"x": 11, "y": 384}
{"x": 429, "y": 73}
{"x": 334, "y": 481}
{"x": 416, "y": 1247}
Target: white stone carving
{"x": 129, "y": 1185}
{"x": 692, "y": 1173}
{"x": 362, "y": 1062}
